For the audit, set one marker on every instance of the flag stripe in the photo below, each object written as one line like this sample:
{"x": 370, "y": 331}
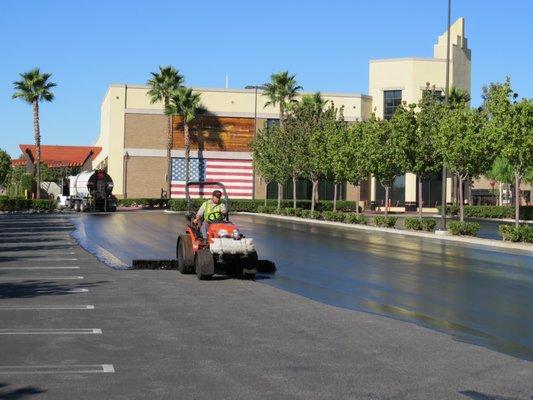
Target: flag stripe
{"x": 236, "y": 175}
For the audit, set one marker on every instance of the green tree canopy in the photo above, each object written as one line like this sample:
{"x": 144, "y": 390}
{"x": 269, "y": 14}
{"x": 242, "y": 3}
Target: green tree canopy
{"x": 463, "y": 145}
{"x": 5, "y": 167}
{"x": 282, "y": 91}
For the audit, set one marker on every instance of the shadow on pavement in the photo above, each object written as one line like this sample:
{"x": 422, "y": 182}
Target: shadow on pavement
{"x": 20, "y": 393}
{"x": 484, "y": 396}
{"x": 34, "y": 289}
{"x": 28, "y": 239}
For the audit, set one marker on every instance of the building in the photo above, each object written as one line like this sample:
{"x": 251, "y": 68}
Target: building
{"x": 133, "y": 136}
{"x": 133, "y": 132}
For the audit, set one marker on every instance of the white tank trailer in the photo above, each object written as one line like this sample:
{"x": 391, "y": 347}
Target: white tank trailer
{"x": 88, "y": 191}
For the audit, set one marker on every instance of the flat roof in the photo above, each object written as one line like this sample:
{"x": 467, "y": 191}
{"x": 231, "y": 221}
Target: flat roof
{"x": 230, "y": 90}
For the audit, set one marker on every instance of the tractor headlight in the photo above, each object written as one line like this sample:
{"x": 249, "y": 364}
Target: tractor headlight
{"x": 236, "y": 234}
{"x": 222, "y": 233}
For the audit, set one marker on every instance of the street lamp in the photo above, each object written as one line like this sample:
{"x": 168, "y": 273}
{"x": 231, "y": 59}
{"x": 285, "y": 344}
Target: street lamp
{"x": 446, "y": 101}
{"x": 256, "y": 87}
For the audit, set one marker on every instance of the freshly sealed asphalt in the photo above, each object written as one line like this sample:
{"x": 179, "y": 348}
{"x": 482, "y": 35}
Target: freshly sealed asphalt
{"x": 74, "y": 328}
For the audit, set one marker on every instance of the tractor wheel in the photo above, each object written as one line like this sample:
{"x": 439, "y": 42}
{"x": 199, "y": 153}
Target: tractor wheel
{"x": 204, "y": 264}
{"x": 251, "y": 265}
{"x": 184, "y": 254}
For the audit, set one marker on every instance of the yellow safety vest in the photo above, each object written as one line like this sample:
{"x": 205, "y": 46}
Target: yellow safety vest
{"x": 208, "y": 210}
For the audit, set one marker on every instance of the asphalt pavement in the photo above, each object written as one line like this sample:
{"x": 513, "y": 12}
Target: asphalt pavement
{"x": 73, "y": 328}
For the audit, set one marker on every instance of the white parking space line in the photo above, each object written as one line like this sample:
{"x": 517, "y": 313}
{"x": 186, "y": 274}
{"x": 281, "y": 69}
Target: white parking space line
{"x": 41, "y": 278}
{"x": 58, "y": 307}
{"x": 56, "y": 369}
{"x": 50, "y": 331}
{"x": 77, "y": 290}
{"x": 35, "y": 268}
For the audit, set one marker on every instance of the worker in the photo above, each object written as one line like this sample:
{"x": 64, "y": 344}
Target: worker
{"x": 210, "y": 211}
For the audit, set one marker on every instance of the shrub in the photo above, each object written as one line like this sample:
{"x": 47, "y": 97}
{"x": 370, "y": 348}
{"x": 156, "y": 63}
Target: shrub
{"x": 520, "y": 233}
{"x": 355, "y": 219}
{"x": 388, "y": 222}
{"x": 417, "y": 224}
{"x": 463, "y": 228}
{"x": 267, "y": 209}
{"x": 22, "y": 204}
{"x": 311, "y": 214}
{"x": 526, "y": 212}
{"x": 335, "y": 216}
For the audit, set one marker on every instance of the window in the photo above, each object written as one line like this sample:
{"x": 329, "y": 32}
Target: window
{"x": 391, "y": 101}
{"x": 272, "y": 122}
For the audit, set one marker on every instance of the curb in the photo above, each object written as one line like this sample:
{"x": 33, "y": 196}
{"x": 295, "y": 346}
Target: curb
{"x": 457, "y": 239}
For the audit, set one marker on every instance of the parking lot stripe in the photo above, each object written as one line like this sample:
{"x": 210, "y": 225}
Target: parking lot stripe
{"x": 50, "y": 331}
{"x": 58, "y": 307}
{"x": 56, "y": 369}
{"x": 35, "y": 268}
{"x": 45, "y": 278}
{"x": 77, "y": 290}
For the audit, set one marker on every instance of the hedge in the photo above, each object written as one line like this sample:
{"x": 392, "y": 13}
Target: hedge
{"x": 418, "y": 224}
{"x": 148, "y": 202}
{"x": 388, "y": 222}
{"x": 463, "y": 228}
{"x": 256, "y": 205}
{"x": 526, "y": 212}
{"x": 22, "y": 204}
{"x": 520, "y": 233}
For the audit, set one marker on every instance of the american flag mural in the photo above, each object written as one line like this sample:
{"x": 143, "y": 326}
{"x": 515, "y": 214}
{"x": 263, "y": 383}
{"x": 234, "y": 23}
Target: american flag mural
{"x": 236, "y": 175}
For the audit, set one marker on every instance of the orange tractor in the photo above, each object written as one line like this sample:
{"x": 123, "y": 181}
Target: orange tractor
{"x": 223, "y": 250}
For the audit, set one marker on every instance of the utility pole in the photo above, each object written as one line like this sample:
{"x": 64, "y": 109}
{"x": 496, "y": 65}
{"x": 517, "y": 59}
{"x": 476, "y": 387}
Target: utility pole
{"x": 446, "y": 102}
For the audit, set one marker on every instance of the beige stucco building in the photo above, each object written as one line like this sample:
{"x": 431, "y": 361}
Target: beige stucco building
{"x": 133, "y": 131}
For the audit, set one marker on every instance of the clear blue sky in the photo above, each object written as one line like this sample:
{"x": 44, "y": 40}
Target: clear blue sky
{"x": 88, "y": 45}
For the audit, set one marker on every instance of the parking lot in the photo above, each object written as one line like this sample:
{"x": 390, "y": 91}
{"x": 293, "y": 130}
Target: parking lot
{"x": 73, "y": 328}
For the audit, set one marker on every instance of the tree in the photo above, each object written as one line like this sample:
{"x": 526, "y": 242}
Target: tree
{"x": 351, "y": 157}
{"x": 337, "y": 140}
{"x": 162, "y": 84}
{"x": 34, "y": 88}
{"x": 269, "y": 161}
{"x": 5, "y": 167}
{"x": 282, "y": 91}
{"x": 510, "y": 124}
{"x": 426, "y": 161}
{"x": 294, "y": 143}
{"x": 318, "y": 164}
{"x": 466, "y": 150}
{"x": 314, "y": 102}
{"x": 385, "y": 150}
{"x": 187, "y": 104}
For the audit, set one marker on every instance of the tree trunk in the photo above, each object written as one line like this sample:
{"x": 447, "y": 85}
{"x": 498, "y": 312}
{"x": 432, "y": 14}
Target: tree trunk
{"x": 313, "y": 194}
{"x": 386, "y": 200}
{"x": 335, "y": 197}
{"x": 420, "y": 202}
{"x": 266, "y": 193}
{"x": 169, "y": 156}
{"x": 358, "y": 200}
{"x": 294, "y": 191}
{"x": 461, "y": 201}
{"x": 281, "y": 114}
{"x": 280, "y": 194}
{"x": 187, "y": 144}
{"x": 37, "y": 133}
{"x": 517, "y": 198}
{"x": 500, "y": 197}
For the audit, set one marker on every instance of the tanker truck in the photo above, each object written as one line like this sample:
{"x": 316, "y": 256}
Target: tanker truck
{"x": 88, "y": 191}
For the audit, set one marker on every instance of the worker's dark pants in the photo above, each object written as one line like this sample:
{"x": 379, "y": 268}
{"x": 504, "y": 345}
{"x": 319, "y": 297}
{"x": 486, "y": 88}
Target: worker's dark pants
{"x": 204, "y": 229}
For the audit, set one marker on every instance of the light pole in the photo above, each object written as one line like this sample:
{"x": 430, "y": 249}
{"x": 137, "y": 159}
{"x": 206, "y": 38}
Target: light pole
{"x": 446, "y": 102}
{"x": 256, "y": 88}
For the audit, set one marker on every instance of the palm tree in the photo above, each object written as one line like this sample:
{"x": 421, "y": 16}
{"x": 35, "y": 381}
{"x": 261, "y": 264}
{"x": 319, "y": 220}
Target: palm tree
{"x": 314, "y": 101}
{"x": 187, "y": 104}
{"x": 282, "y": 91}
{"x": 162, "y": 85}
{"x": 34, "y": 88}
